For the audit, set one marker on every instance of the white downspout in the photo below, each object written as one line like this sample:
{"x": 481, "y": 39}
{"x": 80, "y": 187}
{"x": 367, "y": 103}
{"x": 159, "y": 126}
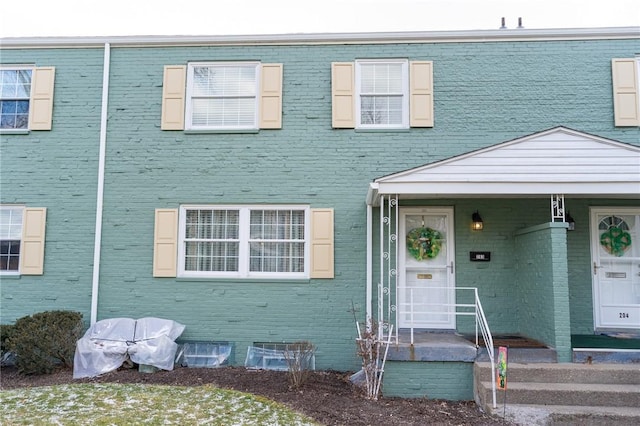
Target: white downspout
{"x": 369, "y": 263}
{"x": 100, "y": 194}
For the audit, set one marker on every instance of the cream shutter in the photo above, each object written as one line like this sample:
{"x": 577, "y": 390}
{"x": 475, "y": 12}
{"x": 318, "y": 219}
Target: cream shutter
{"x": 32, "y": 245}
{"x": 322, "y": 243}
{"x": 625, "y": 92}
{"x": 173, "y": 97}
{"x": 421, "y": 93}
{"x": 165, "y": 243}
{"x": 41, "y": 106}
{"x": 271, "y": 96}
{"x": 343, "y": 95}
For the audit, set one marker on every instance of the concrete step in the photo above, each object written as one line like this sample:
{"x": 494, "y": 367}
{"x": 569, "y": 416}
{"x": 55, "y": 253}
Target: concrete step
{"x": 577, "y": 394}
{"x": 565, "y": 373}
{"x": 527, "y": 414}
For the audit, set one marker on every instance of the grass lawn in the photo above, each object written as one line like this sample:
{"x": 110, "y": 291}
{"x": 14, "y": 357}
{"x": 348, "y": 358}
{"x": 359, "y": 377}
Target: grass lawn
{"x": 133, "y": 404}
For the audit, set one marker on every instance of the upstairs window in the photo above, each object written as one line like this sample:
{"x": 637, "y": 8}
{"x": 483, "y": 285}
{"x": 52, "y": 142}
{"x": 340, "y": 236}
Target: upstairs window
{"x": 222, "y": 96}
{"x": 15, "y": 94}
{"x": 382, "y": 100}
{"x": 10, "y": 237}
{"x": 243, "y": 241}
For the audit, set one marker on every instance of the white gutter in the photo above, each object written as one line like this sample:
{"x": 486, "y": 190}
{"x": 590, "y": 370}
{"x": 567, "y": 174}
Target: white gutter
{"x": 100, "y": 193}
{"x": 457, "y": 36}
{"x": 369, "y": 263}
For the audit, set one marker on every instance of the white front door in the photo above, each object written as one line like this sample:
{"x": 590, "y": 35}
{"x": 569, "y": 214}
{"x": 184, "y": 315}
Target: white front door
{"x": 426, "y": 280}
{"x": 615, "y": 251}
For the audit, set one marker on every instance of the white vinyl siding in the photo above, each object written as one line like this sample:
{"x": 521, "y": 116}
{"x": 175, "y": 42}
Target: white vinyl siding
{"x": 243, "y": 241}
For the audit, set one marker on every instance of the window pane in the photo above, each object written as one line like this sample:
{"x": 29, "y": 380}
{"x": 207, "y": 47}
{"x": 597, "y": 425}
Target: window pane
{"x": 276, "y": 257}
{"x": 381, "y": 110}
{"x": 381, "y": 78}
{"x": 14, "y": 114}
{"x": 9, "y": 255}
{"x": 219, "y": 112}
{"x": 211, "y": 256}
{"x": 224, "y": 81}
{"x": 11, "y": 223}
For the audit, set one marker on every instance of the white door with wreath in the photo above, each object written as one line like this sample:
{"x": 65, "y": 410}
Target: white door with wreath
{"x": 426, "y": 279}
{"x": 615, "y": 268}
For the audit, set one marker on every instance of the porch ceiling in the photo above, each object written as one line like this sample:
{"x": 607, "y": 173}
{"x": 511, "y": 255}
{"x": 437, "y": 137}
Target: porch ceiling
{"x": 555, "y": 161}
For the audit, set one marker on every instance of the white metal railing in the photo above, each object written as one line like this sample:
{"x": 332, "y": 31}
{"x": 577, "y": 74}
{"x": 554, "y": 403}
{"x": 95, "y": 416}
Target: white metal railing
{"x": 458, "y": 309}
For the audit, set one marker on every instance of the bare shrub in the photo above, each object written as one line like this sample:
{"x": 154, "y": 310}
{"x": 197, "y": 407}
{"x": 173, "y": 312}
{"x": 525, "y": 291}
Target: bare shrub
{"x": 372, "y": 349}
{"x": 299, "y": 357}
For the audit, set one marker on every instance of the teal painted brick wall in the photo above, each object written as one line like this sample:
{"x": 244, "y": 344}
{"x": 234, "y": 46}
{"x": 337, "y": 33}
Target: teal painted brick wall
{"x": 485, "y": 93}
{"x": 435, "y": 380}
{"x": 542, "y": 283}
{"x": 57, "y": 169}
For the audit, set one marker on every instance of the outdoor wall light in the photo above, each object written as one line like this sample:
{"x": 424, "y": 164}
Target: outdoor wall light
{"x": 570, "y": 222}
{"x": 476, "y": 222}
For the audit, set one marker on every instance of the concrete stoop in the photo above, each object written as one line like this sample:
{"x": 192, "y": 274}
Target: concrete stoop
{"x": 553, "y": 394}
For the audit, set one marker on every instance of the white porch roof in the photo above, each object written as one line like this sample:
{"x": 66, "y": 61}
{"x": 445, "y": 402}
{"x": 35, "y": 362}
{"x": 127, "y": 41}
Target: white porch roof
{"x": 555, "y": 161}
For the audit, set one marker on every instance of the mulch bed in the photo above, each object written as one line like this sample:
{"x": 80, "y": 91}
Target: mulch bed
{"x": 327, "y": 396}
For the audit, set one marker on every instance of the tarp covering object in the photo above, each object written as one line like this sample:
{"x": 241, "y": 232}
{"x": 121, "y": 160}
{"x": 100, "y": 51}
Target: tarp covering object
{"x": 108, "y": 343}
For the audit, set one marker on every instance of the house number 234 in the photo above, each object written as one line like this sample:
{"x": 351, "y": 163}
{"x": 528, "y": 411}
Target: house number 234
{"x": 624, "y": 314}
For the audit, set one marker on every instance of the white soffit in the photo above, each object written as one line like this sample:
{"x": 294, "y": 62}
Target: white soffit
{"x": 555, "y": 161}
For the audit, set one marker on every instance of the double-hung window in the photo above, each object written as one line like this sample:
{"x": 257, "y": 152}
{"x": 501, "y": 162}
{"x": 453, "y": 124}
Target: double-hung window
{"x": 222, "y": 96}
{"x": 382, "y": 99}
{"x": 15, "y": 94}
{"x": 10, "y": 238}
{"x": 244, "y": 241}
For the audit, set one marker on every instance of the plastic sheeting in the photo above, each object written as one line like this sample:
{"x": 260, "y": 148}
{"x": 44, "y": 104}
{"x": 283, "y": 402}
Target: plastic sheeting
{"x": 108, "y": 343}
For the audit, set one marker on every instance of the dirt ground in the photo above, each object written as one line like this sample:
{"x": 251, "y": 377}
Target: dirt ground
{"x": 327, "y": 396}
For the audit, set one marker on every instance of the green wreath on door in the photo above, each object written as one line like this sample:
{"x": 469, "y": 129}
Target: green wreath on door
{"x": 424, "y": 243}
{"x": 615, "y": 241}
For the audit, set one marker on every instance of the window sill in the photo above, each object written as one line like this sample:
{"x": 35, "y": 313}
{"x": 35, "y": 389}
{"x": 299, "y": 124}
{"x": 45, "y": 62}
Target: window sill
{"x": 14, "y": 131}
{"x": 246, "y": 280}
{"x": 389, "y": 130}
{"x": 10, "y": 276}
{"x": 221, "y": 131}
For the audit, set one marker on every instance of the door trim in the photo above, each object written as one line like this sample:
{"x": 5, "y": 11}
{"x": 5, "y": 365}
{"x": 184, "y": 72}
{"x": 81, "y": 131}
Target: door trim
{"x": 594, "y": 212}
{"x": 449, "y": 213}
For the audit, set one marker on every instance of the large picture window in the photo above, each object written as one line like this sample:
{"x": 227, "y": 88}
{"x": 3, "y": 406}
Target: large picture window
{"x": 382, "y": 100}
{"x": 244, "y": 241}
{"x": 222, "y": 96}
{"x": 15, "y": 93}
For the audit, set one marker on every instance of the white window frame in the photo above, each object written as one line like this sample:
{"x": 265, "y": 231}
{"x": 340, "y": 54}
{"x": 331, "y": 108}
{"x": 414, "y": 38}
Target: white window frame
{"x": 405, "y": 93}
{"x": 28, "y": 98}
{"x": 189, "y": 95}
{"x": 21, "y": 209}
{"x": 244, "y": 240}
